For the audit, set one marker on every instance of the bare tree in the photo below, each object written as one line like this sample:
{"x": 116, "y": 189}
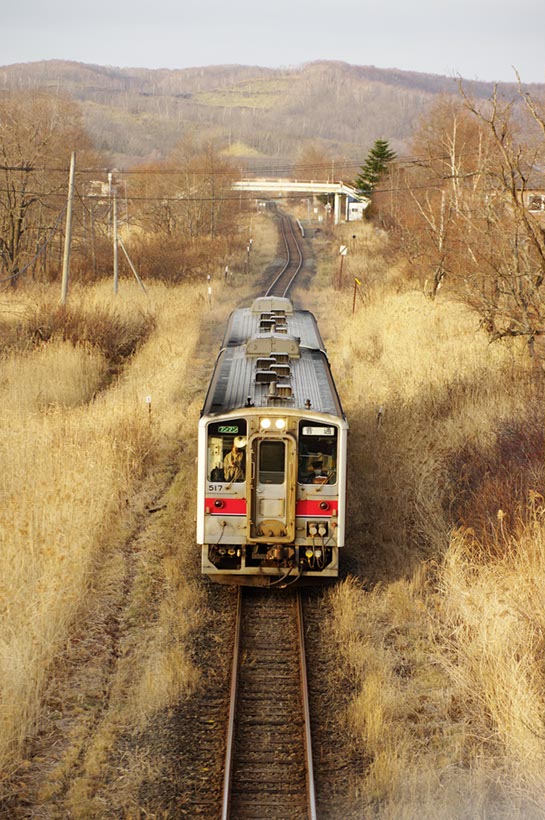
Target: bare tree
{"x": 507, "y": 248}
{"x": 185, "y": 208}
{"x": 429, "y": 193}
{"x": 37, "y": 134}
{"x": 314, "y": 162}
{"x": 460, "y": 211}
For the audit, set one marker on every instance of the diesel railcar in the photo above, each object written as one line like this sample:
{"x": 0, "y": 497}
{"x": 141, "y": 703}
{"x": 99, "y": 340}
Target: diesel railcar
{"x": 271, "y": 453}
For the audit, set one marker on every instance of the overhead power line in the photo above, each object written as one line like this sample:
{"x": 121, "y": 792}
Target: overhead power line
{"x": 326, "y": 165}
{"x": 25, "y": 168}
{"x": 250, "y": 196}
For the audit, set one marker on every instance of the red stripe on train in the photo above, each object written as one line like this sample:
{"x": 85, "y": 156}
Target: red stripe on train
{"x": 312, "y": 509}
{"x": 229, "y": 506}
{"x": 237, "y": 506}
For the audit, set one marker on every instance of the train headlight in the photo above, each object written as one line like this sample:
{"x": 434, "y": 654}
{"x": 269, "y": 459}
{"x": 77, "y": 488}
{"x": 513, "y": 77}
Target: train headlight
{"x": 280, "y": 424}
{"x": 265, "y": 423}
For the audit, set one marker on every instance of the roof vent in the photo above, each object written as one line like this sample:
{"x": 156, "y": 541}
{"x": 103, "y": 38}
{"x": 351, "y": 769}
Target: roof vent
{"x": 282, "y": 370}
{"x": 267, "y": 325}
{"x": 270, "y": 303}
{"x": 268, "y": 344}
{"x": 284, "y": 390}
{"x": 279, "y": 317}
{"x": 265, "y": 363}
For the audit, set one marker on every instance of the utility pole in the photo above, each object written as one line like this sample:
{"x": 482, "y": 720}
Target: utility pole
{"x": 110, "y": 200}
{"x": 129, "y": 260}
{"x": 93, "y": 245}
{"x": 116, "y": 272}
{"x": 126, "y": 204}
{"x": 68, "y": 232}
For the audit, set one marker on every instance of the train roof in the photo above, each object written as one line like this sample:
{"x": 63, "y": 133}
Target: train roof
{"x": 272, "y": 356}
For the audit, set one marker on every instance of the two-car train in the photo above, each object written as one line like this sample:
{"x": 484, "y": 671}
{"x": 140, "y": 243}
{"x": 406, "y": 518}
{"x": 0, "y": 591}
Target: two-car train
{"x": 272, "y": 453}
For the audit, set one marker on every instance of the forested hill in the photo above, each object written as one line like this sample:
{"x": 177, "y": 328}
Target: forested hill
{"x": 263, "y": 114}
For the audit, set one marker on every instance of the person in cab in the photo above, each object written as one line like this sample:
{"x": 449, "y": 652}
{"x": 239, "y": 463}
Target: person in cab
{"x": 233, "y": 463}
{"x": 317, "y": 474}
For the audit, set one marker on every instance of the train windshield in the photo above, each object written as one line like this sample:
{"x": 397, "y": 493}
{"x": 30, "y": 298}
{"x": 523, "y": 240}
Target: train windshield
{"x": 227, "y": 451}
{"x": 272, "y": 460}
{"x": 317, "y": 453}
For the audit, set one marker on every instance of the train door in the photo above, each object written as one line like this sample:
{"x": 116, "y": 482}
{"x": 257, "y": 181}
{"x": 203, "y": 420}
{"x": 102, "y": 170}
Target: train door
{"x": 271, "y": 504}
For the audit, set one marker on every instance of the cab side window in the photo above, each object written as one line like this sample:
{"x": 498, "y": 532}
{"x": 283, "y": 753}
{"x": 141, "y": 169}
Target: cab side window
{"x": 227, "y": 451}
{"x": 317, "y": 453}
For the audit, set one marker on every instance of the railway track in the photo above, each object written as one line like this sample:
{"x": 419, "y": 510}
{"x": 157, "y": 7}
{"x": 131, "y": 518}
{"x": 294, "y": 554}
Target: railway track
{"x": 268, "y": 766}
{"x": 294, "y": 255}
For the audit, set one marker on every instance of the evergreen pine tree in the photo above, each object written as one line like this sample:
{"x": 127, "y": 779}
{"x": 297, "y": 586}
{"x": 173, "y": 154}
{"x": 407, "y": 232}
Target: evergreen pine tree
{"x": 375, "y": 166}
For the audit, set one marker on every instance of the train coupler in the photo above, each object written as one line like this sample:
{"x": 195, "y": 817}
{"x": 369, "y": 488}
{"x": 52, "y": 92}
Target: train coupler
{"x": 280, "y": 553}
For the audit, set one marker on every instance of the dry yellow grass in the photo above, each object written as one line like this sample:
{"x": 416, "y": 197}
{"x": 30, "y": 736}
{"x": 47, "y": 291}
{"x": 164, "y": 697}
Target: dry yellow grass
{"x": 438, "y": 631}
{"x": 100, "y": 579}
{"x": 69, "y": 465}
{"x": 492, "y": 607}
{"x": 441, "y": 639}
{"x": 57, "y": 374}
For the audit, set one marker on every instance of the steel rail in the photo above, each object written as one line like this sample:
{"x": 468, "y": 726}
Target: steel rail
{"x": 227, "y": 775}
{"x": 232, "y": 719}
{"x": 288, "y": 255}
{"x": 283, "y": 220}
{"x": 300, "y": 265}
{"x": 311, "y": 793}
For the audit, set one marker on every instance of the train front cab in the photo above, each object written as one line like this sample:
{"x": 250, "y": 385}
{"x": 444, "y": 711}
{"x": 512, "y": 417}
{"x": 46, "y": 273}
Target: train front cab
{"x": 271, "y": 500}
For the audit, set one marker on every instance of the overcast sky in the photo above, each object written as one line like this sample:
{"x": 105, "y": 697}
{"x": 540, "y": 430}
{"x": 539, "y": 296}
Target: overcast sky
{"x": 478, "y": 39}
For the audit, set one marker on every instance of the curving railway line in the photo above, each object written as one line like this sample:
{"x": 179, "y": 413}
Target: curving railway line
{"x": 268, "y": 767}
{"x": 294, "y": 259}
{"x": 268, "y": 771}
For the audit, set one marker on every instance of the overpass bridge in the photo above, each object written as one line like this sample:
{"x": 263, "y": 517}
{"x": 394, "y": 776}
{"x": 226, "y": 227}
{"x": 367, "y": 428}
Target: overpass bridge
{"x": 283, "y": 186}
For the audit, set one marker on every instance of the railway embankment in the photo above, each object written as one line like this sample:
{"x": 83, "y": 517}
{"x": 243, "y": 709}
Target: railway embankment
{"x": 104, "y": 607}
{"x": 435, "y": 626}
{"x": 425, "y": 659}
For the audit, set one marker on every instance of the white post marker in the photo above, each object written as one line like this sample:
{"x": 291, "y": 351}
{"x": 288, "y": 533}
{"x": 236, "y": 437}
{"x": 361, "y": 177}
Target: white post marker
{"x": 148, "y": 402}
{"x": 343, "y": 251}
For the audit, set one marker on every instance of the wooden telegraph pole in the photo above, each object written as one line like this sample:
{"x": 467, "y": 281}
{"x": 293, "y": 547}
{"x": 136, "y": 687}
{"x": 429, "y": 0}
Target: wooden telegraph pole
{"x": 68, "y": 231}
{"x": 116, "y": 269}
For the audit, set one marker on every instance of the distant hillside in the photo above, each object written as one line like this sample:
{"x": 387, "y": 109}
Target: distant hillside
{"x": 264, "y": 114}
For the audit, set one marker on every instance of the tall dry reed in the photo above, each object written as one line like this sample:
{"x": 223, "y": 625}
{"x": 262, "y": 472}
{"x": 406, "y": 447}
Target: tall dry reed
{"x": 70, "y": 460}
{"x": 439, "y": 629}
